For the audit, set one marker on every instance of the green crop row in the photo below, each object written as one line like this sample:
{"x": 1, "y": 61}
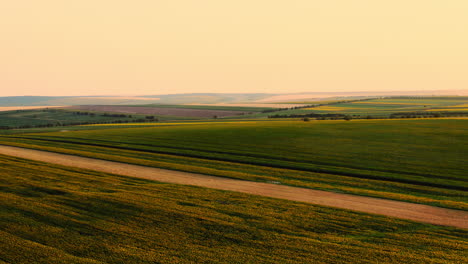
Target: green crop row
{"x": 412, "y": 160}
{"x": 56, "y": 214}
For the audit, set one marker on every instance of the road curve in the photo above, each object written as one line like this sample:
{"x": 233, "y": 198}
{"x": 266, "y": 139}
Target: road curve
{"x": 404, "y": 210}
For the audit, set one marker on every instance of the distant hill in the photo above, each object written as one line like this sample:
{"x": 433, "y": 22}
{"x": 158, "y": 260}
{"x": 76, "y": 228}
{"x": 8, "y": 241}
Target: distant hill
{"x": 74, "y": 100}
{"x": 314, "y": 96}
{"x": 200, "y": 98}
{"x": 209, "y": 98}
{"x": 27, "y": 100}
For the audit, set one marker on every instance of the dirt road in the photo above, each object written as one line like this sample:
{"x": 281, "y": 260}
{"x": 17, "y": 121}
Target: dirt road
{"x": 410, "y": 211}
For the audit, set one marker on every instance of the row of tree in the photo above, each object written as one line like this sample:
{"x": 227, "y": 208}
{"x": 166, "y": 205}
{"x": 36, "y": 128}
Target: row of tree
{"x": 306, "y": 117}
{"x": 77, "y": 123}
{"x": 429, "y": 97}
{"x": 427, "y": 114}
{"x": 314, "y": 105}
{"x": 152, "y": 117}
{"x": 314, "y": 115}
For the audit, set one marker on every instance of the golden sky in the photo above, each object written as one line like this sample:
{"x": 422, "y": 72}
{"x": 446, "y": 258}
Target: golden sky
{"x": 89, "y": 47}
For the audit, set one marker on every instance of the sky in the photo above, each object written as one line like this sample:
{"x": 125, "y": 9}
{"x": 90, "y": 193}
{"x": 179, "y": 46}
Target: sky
{"x": 116, "y": 47}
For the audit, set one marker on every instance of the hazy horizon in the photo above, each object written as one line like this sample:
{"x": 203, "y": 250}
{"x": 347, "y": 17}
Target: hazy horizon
{"x": 92, "y": 48}
{"x": 461, "y": 92}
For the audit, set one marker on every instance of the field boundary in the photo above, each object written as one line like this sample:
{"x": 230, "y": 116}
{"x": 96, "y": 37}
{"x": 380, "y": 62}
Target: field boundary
{"x": 404, "y": 210}
{"x": 358, "y": 172}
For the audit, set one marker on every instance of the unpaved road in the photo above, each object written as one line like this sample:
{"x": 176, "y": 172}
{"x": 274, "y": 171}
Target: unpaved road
{"x": 410, "y": 211}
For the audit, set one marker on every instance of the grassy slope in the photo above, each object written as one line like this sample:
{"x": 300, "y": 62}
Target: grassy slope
{"x": 56, "y": 214}
{"x": 412, "y": 160}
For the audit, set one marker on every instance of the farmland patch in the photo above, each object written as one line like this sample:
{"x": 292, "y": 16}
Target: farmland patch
{"x": 160, "y": 111}
{"x": 103, "y": 220}
{"x": 381, "y": 158}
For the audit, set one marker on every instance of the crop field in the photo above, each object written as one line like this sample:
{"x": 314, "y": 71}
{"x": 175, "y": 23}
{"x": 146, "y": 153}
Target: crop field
{"x": 223, "y": 107}
{"x": 100, "y": 126}
{"x": 49, "y": 117}
{"x": 168, "y": 111}
{"x": 384, "y": 107}
{"x": 254, "y": 106}
{"x": 53, "y": 117}
{"x": 58, "y": 117}
{"x": 388, "y": 106}
{"x": 64, "y": 129}
{"x": 364, "y": 108}
{"x": 418, "y": 160}
{"x": 451, "y": 108}
{"x": 51, "y": 214}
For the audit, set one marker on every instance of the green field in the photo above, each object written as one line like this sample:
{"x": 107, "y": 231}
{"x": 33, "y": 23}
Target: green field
{"x": 59, "y": 117}
{"x": 382, "y": 107}
{"x": 56, "y": 214}
{"x": 416, "y": 160}
{"x": 210, "y": 107}
{"x": 364, "y": 108}
{"x": 393, "y": 105}
{"x": 62, "y": 117}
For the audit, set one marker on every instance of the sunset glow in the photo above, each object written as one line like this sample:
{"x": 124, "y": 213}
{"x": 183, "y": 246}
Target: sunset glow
{"x": 89, "y": 47}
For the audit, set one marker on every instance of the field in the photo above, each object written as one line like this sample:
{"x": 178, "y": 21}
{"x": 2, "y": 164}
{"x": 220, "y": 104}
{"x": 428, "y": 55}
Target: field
{"x": 223, "y": 107}
{"x": 399, "y": 107}
{"x": 188, "y": 111}
{"x": 311, "y": 97}
{"x": 60, "y": 117}
{"x": 56, "y": 214}
{"x": 382, "y": 107}
{"x": 255, "y": 106}
{"x": 416, "y": 160}
{"x": 24, "y": 117}
{"x": 390, "y": 208}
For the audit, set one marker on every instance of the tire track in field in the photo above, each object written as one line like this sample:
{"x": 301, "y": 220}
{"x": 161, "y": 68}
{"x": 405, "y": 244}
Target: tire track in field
{"x": 404, "y": 210}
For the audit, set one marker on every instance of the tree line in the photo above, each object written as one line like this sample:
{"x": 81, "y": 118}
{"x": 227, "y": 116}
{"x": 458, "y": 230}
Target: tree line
{"x": 314, "y": 105}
